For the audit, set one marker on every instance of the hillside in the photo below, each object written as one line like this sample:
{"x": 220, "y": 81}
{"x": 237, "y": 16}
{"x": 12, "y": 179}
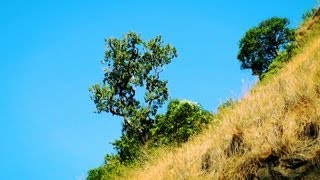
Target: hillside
{"x": 273, "y": 132}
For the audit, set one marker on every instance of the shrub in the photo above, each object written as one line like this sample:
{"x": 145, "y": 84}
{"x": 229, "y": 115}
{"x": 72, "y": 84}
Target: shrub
{"x": 111, "y": 170}
{"x": 227, "y": 104}
{"x": 309, "y": 14}
{"x": 128, "y": 149}
{"x": 182, "y": 120}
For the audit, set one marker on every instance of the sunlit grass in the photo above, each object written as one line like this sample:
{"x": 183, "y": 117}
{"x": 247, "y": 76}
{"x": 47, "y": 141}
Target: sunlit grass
{"x": 273, "y": 118}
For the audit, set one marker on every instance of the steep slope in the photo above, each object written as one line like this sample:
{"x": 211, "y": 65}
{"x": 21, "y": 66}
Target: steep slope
{"x": 271, "y": 132}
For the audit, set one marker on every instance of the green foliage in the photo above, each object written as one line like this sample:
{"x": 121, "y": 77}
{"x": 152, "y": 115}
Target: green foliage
{"x": 227, "y": 104}
{"x": 262, "y": 44}
{"x": 128, "y": 148}
{"x": 98, "y": 174}
{"x": 113, "y": 169}
{"x": 280, "y": 61}
{"x": 131, "y": 64}
{"x": 309, "y": 14}
{"x": 182, "y": 120}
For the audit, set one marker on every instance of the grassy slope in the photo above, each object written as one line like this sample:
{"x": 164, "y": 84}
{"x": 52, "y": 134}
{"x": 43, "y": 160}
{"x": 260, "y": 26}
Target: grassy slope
{"x": 278, "y": 120}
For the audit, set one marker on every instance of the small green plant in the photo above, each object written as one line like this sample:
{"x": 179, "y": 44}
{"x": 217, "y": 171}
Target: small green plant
{"x": 229, "y": 103}
{"x": 309, "y": 14}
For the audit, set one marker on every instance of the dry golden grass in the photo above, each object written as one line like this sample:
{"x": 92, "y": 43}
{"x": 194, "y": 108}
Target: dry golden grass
{"x": 274, "y": 118}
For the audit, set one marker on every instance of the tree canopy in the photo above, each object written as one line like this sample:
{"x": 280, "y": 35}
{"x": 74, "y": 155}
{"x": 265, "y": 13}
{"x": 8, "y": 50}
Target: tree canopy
{"x": 133, "y": 65}
{"x": 262, "y": 44}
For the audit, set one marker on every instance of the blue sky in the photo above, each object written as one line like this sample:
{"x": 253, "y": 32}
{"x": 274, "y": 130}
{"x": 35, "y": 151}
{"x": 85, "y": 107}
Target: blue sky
{"x": 51, "y": 52}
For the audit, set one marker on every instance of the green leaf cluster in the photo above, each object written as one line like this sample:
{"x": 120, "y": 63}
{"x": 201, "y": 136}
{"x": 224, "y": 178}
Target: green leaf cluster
{"x": 309, "y": 14}
{"x": 278, "y": 63}
{"x": 112, "y": 169}
{"x": 133, "y": 64}
{"x": 182, "y": 120}
{"x": 262, "y": 44}
{"x": 228, "y": 104}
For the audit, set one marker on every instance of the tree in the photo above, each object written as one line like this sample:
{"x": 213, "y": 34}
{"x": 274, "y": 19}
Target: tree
{"x": 133, "y": 65}
{"x": 262, "y": 44}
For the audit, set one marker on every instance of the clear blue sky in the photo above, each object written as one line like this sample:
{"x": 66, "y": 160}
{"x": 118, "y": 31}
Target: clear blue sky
{"x": 50, "y": 55}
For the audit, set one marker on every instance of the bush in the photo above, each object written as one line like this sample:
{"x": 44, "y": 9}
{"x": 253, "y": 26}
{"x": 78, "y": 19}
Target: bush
{"x": 227, "y": 104}
{"x": 182, "y": 120}
{"x": 111, "y": 170}
{"x": 309, "y": 14}
{"x": 128, "y": 149}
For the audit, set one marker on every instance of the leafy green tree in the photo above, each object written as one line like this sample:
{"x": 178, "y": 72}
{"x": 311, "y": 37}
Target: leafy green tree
{"x": 182, "y": 120}
{"x": 262, "y": 44}
{"x": 133, "y": 65}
